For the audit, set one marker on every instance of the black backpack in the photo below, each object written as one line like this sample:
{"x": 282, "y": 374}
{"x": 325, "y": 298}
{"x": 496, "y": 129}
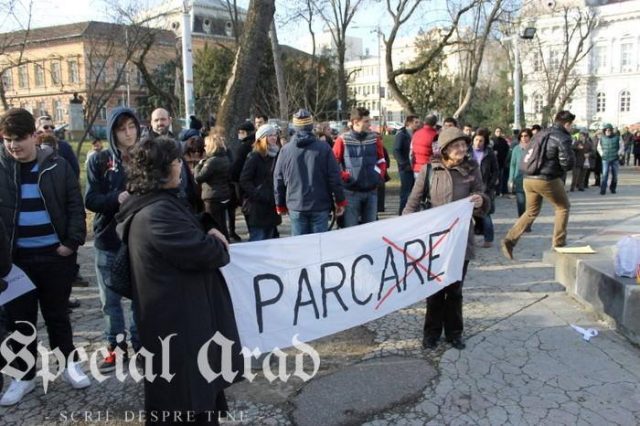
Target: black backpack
{"x": 533, "y": 157}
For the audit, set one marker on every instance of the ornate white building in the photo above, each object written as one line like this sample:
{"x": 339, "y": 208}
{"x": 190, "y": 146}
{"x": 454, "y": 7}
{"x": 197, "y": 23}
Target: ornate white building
{"x": 609, "y": 89}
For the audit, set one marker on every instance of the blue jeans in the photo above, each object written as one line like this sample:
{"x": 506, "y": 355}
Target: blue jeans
{"x": 612, "y": 165}
{"x": 521, "y": 203}
{"x": 406, "y": 184}
{"x": 487, "y": 225}
{"x": 362, "y": 207}
{"x": 303, "y": 223}
{"x": 112, "y": 303}
{"x": 257, "y": 233}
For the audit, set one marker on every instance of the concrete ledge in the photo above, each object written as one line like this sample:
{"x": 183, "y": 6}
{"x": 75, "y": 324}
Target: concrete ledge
{"x": 592, "y": 280}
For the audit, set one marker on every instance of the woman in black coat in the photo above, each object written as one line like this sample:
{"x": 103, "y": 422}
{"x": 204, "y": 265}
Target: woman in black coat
{"x": 214, "y": 174}
{"x": 484, "y": 156}
{"x": 178, "y": 289}
{"x": 256, "y": 182}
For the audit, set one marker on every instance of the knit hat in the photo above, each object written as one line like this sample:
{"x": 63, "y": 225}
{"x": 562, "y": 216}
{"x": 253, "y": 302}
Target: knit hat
{"x": 265, "y": 130}
{"x": 607, "y": 126}
{"x": 302, "y": 120}
{"x": 194, "y": 123}
{"x": 187, "y": 134}
{"x": 450, "y": 135}
{"x": 247, "y": 126}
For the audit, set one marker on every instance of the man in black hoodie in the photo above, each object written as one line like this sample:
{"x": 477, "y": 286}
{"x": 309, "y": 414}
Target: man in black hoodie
{"x": 239, "y": 152}
{"x": 307, "y": 179}
{"x": 106, "y": 180}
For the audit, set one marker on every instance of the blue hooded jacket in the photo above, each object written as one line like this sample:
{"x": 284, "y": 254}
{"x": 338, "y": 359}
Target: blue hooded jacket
{"x": 106, "y": 179}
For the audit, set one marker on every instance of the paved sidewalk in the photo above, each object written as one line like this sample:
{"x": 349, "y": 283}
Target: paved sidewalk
{"x": 523, "y": 364}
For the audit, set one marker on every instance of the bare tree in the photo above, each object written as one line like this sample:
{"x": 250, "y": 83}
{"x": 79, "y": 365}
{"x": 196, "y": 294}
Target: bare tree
{"x": 557, "y": 77}
{"x": 400, "y": 12}
{"x": 13, "y": 44}
{"x": 283, "y": 101}
{"x": 238, "y": 95}
{"x": 475, "y": 48}
{"x": 338, "y": 15}
{"x": 232, "y": 7}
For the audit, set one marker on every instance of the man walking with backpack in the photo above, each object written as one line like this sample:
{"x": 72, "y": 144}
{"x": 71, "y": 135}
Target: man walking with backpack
{"x": 547, "y": 158}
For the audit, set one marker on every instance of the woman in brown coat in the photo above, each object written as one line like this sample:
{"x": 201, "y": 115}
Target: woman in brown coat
{"x": 453, "y": 177}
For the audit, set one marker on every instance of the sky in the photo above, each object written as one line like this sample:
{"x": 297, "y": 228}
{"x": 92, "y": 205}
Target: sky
{"x": 57, "y": 12}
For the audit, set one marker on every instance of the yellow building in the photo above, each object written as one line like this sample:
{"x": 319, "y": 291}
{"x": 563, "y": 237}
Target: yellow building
{"x": 85, "y": 58}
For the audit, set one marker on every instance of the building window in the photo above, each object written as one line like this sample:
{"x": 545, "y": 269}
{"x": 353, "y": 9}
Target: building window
{"x": 537, "y": 62}
{"x": 99, "y": 71}
{"x": 42, "y": 109}
{"x": 537, "y": 103}
{"x": 23, "y": 77}
{"x": 38, "y": 73}
{"x": 625, "y": 101}
{"x": 600, "y": 58}
{"x": 59, "y": 112}
{"x": 74, "y": 75}
{"x": 56, "y": 75}
{"x": 554, "y": 58}
{"x": 626, "y": 56}
{"x": 7, "y": 79}
{"x": 601, "y": 102}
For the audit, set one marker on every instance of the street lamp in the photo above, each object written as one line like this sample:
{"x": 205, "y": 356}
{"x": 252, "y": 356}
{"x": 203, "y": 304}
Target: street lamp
{"x": 527, "y": 34}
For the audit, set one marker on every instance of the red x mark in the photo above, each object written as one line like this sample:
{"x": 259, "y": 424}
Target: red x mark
{"x": 406, "y": 274}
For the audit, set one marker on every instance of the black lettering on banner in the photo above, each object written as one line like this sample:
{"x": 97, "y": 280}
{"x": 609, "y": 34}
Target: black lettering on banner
{"x": 326, "y": 290}
{"x": 389, "y": 260}
{"x": 432, "y": 256}
{"x": 353, "y": 279}
{"x": 413, "y": 263}
{"x": 260, "y": 304}
{"x": 304, "y": 277}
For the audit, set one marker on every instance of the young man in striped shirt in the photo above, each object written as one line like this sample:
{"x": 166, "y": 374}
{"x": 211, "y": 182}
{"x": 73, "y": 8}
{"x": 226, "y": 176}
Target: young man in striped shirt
{"x": 41, "y": 207}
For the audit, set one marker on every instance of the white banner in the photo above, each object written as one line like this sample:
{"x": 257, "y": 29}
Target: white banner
{"x": 18, "y": 284}
{"x": 320, "y": 284}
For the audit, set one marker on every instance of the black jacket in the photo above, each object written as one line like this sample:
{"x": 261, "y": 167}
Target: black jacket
{"x": 5, "y": 253}
{"x": 60, "y": 190}
{"x": 178, "y": 288}
{"x": 106, "y": 179}
{"x": 401, "y": 148}
{"x": 214, "y": 173}
{"x": 240, "y": 150}
{"x": 256, "y": 182}
{"x": 489, "y": 172}
{"x": 559, "y": 156}
{"x": 501, "y": 147}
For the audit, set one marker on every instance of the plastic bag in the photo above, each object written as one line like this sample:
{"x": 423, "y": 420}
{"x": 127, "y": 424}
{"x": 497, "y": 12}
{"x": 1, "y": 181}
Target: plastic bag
{"x": 628, "y": 257}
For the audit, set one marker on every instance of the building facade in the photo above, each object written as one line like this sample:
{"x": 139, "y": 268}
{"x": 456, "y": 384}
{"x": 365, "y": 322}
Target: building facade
{"x": 609, "y": 74}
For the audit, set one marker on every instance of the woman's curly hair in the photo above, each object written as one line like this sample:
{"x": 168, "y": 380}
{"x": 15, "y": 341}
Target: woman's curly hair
{"x": 149, "y": 166}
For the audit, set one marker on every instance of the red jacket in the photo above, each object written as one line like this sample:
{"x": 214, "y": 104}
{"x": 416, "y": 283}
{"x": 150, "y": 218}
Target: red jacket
{"x": 422, "y": 147}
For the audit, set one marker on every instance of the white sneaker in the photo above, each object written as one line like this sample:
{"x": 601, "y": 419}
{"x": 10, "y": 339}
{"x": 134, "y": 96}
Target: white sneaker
{"x": 16, "y": 391}
{"x": 74, "y": 375}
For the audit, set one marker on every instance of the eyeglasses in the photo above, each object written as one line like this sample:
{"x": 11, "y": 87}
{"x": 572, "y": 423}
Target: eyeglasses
{"x": 47, "y": 127}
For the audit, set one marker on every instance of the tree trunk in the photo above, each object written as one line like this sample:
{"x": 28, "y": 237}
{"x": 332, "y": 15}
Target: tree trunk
{"x": 342, "y": 83}
{"x": 277, "y": 64}
{"x": 241, "y": 86}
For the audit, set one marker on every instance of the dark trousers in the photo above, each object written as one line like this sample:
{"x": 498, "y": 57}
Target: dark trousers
{"x": 218, "y": 212}
{"x": 444, "y": 310}
{"x": 382, "y": 190}
{"x": 406, "y": 184}
{"x": 52, "y": 275}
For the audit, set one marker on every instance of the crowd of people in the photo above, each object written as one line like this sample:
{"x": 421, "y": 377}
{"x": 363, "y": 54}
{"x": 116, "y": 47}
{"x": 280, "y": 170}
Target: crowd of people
{"x": 171, "y": 202}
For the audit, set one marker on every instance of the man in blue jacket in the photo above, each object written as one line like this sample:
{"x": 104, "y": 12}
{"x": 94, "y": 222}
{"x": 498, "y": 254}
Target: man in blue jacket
{"x": 106, "y": 181}
{"x": 307, "y": 179}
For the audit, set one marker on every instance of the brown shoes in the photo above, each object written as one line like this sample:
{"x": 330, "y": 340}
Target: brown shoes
{"x": 507, "y": 249}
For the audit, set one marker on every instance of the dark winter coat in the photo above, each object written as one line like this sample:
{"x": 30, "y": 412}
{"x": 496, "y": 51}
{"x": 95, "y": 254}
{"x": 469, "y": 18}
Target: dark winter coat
{"x": 5, "y": 252}
{"x": 178, "y": 288}
{"x": 240, "y": 150}
{"x": 490, "y": 174}
{"x": 401, "y": 150}
{"x": 256, "y": 183}
{"x": 307, "y": 175}
{"x": 448, "y": 185}
{"x": 213, "y": 172}
{"x": 66, "y": 151}
{"x": 59, "y": 188}
{"x": 559, "y": 157}
{"x": 106, "y": 179}
{"x": 580, "y": 148}
{"x": 501, "y": 148}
